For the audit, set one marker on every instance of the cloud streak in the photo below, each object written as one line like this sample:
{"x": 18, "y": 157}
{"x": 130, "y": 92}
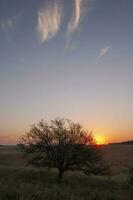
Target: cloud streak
{"x": 103, "y": 52}
{"x": 49, "y": 20}
{"x": 7, "y": 24}
{"x": 75, "y": 20}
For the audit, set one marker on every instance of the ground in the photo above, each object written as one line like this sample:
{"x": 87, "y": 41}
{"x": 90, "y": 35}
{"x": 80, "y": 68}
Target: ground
{"x": 21, "y": 182}
{"x": 119, "y": 156}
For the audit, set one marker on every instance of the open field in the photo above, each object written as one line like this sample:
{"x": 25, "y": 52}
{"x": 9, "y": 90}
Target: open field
{"x": 21, "y": 182}
{"x": 118, "y": 156}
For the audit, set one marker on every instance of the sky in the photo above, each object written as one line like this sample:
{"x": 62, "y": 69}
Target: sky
{"x": 71, "y": 59}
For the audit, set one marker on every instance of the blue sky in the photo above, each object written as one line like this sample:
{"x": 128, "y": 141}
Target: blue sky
{"x": 69, "y": 59}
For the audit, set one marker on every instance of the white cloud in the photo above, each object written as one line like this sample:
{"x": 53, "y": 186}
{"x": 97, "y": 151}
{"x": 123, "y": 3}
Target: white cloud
{"x": 80, "y": 9}
{"x": 49, "y": 20}
{"x": 74, "y": 22}
{"x": 103, "y": 51}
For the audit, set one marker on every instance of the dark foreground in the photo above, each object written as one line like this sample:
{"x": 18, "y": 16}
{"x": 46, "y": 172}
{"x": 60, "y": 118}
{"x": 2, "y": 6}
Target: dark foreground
{"x": 19, "y": 182}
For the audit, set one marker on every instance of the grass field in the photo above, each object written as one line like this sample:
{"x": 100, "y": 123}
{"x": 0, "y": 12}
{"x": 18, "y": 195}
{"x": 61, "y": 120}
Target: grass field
{"x": 119, "y": 156}
{"x": 21, "y": 182}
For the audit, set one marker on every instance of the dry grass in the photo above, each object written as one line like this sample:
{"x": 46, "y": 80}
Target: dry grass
{"x": 19, "y": 182}
{"x": 119, "y": 156}
{"x": 10, "y": 156}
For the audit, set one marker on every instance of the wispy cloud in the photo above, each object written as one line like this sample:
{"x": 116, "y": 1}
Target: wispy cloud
{"x": 7, "y": 24}
{"x": 80, "y": 8}
{"x": 74, "y": 22}
{"x": 103, "y": 52}
{"x": 49, "y": 20}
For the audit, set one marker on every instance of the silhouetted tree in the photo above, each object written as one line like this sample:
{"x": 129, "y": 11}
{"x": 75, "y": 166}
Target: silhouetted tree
{"x": 60, "y": 144}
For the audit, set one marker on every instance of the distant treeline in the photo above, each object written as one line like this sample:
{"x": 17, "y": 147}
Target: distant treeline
{"x": 130, "y": 142}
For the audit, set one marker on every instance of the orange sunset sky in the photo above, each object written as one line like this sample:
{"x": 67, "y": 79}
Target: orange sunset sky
{"x": 71, "y": 59}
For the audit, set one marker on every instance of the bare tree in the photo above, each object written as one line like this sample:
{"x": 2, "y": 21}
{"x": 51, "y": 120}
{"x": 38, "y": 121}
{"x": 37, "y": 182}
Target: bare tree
{"x": 60, "y": 144}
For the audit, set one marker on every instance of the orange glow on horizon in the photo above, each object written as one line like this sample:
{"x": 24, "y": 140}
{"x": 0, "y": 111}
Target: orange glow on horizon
{"x": 99, "y": 139}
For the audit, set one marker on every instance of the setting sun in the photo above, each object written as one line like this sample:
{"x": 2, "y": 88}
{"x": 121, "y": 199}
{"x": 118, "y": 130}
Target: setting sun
{"x": 99, "y": 139}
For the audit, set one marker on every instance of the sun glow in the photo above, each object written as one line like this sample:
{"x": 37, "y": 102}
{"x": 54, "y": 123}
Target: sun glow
{"x": 99, "y": 139}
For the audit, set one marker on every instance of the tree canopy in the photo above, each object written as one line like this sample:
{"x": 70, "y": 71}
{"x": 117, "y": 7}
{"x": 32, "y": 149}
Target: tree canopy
{"x": 61, "y": 144}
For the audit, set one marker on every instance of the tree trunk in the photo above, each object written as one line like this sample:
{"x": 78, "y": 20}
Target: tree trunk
{"x": 60, "y": 175}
